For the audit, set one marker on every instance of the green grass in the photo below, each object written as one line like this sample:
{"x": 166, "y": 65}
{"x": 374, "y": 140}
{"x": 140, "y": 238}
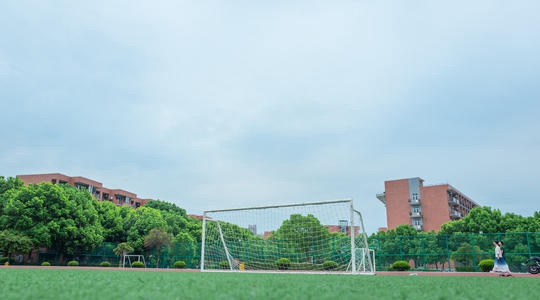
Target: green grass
{"x": 127, "y": 284}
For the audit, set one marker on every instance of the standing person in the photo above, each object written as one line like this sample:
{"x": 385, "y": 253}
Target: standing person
{"x": 497, "y": 266}
{"x": 503, "y": 264}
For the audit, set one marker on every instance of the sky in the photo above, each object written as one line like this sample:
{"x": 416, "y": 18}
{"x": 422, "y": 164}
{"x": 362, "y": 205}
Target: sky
{"x": 225, "y": 104}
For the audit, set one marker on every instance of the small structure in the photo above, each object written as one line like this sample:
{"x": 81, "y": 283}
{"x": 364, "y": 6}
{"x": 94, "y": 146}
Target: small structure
{"x": 130, "y": 259}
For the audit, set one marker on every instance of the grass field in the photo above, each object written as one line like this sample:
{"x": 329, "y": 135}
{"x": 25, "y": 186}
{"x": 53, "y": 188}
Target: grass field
{"x": 130, "y": 284}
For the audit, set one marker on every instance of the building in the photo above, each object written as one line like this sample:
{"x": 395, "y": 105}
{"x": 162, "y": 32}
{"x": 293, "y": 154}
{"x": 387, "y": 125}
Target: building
{"x": 343, "y": 227}
{"x": 426, "y": 208}
{"x": 117, "y": 196}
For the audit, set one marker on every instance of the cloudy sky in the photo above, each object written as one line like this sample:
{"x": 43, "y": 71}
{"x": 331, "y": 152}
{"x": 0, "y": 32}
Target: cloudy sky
{"x": 223, "y": 104}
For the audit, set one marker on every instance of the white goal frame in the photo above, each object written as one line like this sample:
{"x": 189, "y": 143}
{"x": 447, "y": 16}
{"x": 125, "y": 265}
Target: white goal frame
{"x": 128, "y": 257}
{"x": 362, "y": 259}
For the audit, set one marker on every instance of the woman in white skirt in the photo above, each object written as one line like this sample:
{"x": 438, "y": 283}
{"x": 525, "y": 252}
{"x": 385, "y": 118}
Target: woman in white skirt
{"x": 499, "y": 264}
{"x": 497, "y": 267}
{"x": 503, "y": 265}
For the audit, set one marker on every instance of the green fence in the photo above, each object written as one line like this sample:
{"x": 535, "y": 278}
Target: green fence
{"x": 426, "y": 251}
{"x": 187, "y": 252}
{"x": 461, "y": 252}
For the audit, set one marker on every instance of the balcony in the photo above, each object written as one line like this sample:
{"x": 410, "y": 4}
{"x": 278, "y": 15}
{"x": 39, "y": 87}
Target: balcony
{"x": 414, "y": 201}
{"x": 419, "y": 227}
{"x": 453, "y": 202}
{"x": 454, "y": 215}
{"x": 381, "y": 197}
{"x": 415, "y": 214}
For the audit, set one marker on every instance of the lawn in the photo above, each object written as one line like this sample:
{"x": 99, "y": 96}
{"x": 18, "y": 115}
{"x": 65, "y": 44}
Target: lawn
{"x": 130, "y": 284}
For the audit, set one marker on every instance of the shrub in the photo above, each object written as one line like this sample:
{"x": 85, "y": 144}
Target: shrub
{"x": 330, "y": 265}
{"x": 137, "y": 264}
{"x": 46, "y": 264}
{"x": 224, "y": 265}
{"x": 283, "y": 263}
{"x": 105, "y": 264}
{"x": 180, "y": 264}
{"x": 400, "y": 265}
{"x": 486, "y": 265}
{"x": 73, "y": 263}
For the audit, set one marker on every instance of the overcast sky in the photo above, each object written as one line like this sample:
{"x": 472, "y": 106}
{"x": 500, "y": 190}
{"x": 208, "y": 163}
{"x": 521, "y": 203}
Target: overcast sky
{"x": 224, "y": 104}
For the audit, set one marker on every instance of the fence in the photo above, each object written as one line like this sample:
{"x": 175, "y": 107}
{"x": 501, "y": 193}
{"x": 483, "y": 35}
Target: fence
{"x": 461, "y": 252}
{"x": 429, "y": 251}
{"x": 187, "y": 252}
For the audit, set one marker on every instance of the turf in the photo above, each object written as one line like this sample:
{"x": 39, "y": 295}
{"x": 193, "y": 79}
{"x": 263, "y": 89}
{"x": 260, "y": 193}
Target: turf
{"x": 126, "y": 284}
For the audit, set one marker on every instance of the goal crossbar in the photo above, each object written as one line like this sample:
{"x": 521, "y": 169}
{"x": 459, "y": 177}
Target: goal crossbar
{"x": 279, "y": 206}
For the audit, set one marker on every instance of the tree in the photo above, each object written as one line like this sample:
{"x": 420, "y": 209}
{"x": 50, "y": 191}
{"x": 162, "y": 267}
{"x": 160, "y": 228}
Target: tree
{"x": 399, "y": 243}
{"x": 112, "y": 222}
{"x": 299, "y": 235}
{"x": 122, "y": 250}
{"x": 431, "y": 249}
{"x": 165, "y": 206}
{"x": 12, "y": 242}
{"x": 185, "y": 244}
{"x": 464, "y": 255}
{"x": 177, "y": 219}
{"x": 483, "y": 219}
{"x": 10, "y": 183}
{"x": 138, "y": 224}
{"x": 457, "y": 226}
{"x": 156, "y": 239}
{"x": 58, "y": 217}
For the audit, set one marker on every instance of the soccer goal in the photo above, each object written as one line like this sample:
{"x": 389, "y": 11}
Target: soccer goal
{"x": 325, "y": 236}
{"x": 130, "y": 259}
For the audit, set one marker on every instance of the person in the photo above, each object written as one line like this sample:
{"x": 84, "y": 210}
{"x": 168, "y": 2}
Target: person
{"x": 497, "y": 266}
{"x": 503, "y": 265}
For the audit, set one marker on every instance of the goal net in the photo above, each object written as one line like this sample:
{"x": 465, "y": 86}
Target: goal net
{"x": 324, "y": 236}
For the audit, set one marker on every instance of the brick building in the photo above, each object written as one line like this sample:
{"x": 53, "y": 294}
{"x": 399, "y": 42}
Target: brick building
{"x": 426, "y": 208}
{"x": 117, "y": 196}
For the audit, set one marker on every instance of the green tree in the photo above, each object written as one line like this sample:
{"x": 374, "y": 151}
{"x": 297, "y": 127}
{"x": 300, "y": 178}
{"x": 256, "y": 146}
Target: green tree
{"x": 397, "y": 244}
{"x": 300, "y": 235}
{"x": 138, "y": 224}
{"x": 177, "y": 219}
{"x": 430, "y": 249}
{"x": 483, "y": 219}
{"x": 10, "y": 183}
{"x": 122, "y": 250}
{"x": 156, "y": 240}
{"x": 12, "y": 242}
{"x": 111, "y": 219}
{"x": 184, "y": 245}
{"x": 58, "y": 217}
{"x": 166, "y": 207}
{"x": 457, "y": 226}
{"x": 464, "y": 255}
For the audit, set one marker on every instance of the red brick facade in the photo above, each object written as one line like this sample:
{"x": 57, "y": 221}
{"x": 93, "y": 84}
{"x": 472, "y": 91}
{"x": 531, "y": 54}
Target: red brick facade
{"x": 426, "y": 208}
{"x": 117, "y": 196}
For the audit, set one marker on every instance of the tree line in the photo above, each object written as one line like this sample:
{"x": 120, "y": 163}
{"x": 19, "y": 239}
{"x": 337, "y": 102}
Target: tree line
{"x": 68, "y": 220}
{"x": 465, "y": 241}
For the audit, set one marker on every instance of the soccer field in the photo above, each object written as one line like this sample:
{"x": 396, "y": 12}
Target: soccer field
{"x": 36, "y": 283}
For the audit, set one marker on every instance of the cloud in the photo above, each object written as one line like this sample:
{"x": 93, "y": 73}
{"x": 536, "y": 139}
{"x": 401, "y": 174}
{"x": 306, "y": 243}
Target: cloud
{"x": 214, "y": 105}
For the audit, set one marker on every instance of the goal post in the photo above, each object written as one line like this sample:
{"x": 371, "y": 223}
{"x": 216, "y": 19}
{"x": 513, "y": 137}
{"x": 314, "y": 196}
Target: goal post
{"x": 326, "y": 236}
{"x": 129, "y": 259}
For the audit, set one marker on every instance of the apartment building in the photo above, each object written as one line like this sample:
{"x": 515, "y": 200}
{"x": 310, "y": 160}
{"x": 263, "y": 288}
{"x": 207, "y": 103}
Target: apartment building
{"x": 117, "y": 196}
{"x": 426, "y": 208}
